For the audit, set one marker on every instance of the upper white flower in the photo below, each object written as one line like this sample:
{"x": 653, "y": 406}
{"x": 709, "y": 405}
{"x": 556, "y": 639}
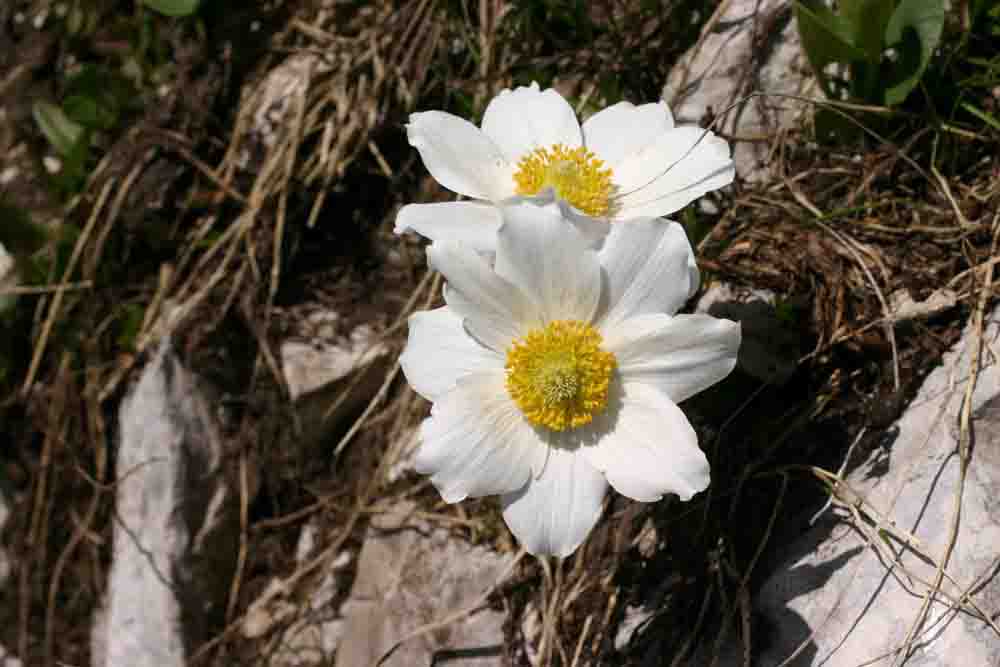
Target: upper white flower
{"x": 558, "y": 370}
{"x": 624, "y": 162}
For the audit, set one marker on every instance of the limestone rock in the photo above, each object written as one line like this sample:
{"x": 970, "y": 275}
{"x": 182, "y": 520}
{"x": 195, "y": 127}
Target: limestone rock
{"x": 8, "y": 278}
{"x": 411, "y": 574}
{"x": 754, "y": 46}
{"x": 275, "y": 99}
{"x": 845, "y": 604}
{"x": 175, "y": 538}
{"x": 315, "y": 365}
{"x": 903, "y": 306}
{"x": 8, "y": 660}
{"x": 329, "y": 378}
{"x": 6, "y": 567}
{"x": 313, "y": 637}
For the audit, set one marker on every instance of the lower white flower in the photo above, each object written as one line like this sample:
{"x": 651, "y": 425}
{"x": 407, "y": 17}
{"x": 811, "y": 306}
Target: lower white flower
{"x": 558, "y": 370}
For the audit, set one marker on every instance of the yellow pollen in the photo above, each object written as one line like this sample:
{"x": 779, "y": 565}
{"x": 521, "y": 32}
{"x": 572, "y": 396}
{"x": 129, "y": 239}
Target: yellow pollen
{"x": 559, "y": 375}
{"x": 576, "y": 175}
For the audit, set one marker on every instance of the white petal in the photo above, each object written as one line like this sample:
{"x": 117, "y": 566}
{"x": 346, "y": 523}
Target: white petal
{"x": 526, "y": 118}
{"x": 694, "y": 275}
{"x": 459, "y": 156}
{"x": 623, "y": 129}
{"x": 680, "y": 166}
{"x": 541, "y": 252}
{"x": 648, "y": 447}
{"x": 494, "y": 310}
{"x": 648, "y": 266}
{"x": 439, "y": 351}
{"x": 593, "y": 230}
{"x": 472, "y": 223}
{"x": 477, "y": 443}
{"x": 680, "y": 355}
{"x": 554, "y": 513}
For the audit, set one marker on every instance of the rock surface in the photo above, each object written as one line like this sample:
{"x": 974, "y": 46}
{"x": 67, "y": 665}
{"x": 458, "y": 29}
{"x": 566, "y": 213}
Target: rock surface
{"x": 839, "y": 599}
{"x": 175, "y": 537}
{"x": 411, "y": 574}
{"x": 330, "y": 378}
{"x": 313, "y": 636}
{"x": 315, "y": 365}
{"x": 6, "y": 567}
{"x": 274, "y": 100}
{"x": 8, "y": 278}
{"x": 754, "y": 46}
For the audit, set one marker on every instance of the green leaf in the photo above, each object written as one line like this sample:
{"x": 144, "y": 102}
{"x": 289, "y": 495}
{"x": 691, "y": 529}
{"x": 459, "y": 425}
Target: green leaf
{"x": 106, "y": 93}
{"x": 89, "y": 112}
{"x": 73, "y": 175}
{"x": 987, "y": 118}
{"x": 18, "y": 234}
{"x": 867, "y": 20}
{"x": 19, "y": 237}
{"x": 60, "y": 130}
{"x": 173, "y": 7}
{"x": 914, "y": 31}
{"x": 826, "y": 38}
{"x": 129, "y": 325}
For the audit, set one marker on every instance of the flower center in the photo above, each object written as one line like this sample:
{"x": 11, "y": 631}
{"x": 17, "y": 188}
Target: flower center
{"x": 576, "y": 175}
{"x": 559, "y": 375}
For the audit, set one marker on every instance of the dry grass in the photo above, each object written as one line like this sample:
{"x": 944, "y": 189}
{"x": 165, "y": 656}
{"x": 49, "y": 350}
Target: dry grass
{"x": 319, "y": 115}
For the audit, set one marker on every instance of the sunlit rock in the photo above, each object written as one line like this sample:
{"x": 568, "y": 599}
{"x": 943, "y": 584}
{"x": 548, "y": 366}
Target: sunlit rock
{"x": 753, "y": 47}
{"x": 175, "y": 535}
{"x": 410, "y": 574}
{"x": 849, "y": 592}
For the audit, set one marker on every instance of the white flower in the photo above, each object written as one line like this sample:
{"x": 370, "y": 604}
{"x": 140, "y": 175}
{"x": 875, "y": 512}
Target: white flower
{"x": 624, "y": 162}
{"x": 558, "y": 370}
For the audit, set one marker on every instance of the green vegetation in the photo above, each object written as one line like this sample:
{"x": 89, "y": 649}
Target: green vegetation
{"x": 885, "y": 45}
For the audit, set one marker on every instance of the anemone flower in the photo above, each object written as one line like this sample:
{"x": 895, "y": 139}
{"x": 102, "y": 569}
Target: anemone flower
{"x": 624, "y": 162}
{"x": 557, "y": 371}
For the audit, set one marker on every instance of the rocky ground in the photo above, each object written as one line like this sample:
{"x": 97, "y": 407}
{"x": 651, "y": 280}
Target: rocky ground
{"x": 206, "y": 435}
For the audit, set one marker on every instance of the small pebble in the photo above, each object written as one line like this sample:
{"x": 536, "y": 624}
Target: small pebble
{"x": 52, "y": 164}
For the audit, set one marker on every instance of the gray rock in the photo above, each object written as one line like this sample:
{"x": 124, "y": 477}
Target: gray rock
{"x": 312, "y": 366}
{"x": 6, "y": 567}
{"x": 175, "y": 533}
{"x": 411, "y": 574}
{"x": 8, "y": 660}
{"x": 274, "y": 99}
{"x": 8, "y": 279}
{"x": 839, "y": 599}
{"x": 330, "y": 378}
{"x": 753, "y": 47}
{"x": 314, "y": 626}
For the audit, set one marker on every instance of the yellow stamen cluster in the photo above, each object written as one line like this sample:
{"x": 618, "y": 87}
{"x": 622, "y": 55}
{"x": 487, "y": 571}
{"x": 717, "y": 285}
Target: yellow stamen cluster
{"x": 575, "y": 174}
{"x": 559, "y": 375}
